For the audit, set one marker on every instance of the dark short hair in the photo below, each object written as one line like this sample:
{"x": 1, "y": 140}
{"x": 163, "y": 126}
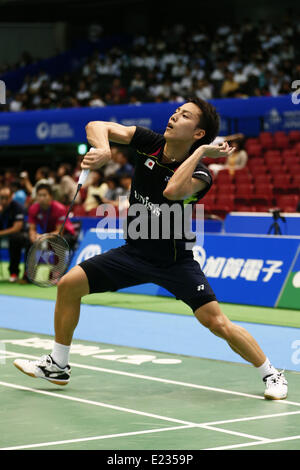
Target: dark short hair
{"x": 44, "y": 170}
{"x": 124, "y": 174}
{"x": 45, "y": 186}
{"x": 67, "y": 167}
{"x": 209, "y": 121}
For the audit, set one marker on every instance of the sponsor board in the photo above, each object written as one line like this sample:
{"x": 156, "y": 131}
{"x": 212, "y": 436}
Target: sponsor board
{"x": 240, "y": 269}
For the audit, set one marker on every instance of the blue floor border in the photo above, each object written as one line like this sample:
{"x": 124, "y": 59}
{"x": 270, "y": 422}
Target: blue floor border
{"x": 155, "y": 331}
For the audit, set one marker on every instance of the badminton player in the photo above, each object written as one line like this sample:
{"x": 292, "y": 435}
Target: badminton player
{"x": 168, "y": 170}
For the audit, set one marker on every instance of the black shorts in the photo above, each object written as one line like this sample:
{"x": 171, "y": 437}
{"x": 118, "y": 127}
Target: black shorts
{"x": 122, "y": 267}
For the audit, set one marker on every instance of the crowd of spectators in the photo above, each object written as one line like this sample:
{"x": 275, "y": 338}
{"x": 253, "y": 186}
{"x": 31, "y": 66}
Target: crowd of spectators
{"x": 30, "y": 206}
{"x": 230, "y": 60}
{"x": 103, "y": 185}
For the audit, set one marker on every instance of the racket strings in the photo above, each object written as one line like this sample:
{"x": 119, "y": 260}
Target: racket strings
{"x": 47, "y": 260}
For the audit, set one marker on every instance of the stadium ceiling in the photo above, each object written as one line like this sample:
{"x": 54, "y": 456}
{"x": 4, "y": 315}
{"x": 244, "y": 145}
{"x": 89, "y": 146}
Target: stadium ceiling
{"x": 69, "y": 3}
{"x": 53, "y": 10}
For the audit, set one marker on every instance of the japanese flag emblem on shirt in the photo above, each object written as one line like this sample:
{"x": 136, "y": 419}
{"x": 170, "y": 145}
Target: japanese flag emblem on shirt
{"x": 149, "y": 163}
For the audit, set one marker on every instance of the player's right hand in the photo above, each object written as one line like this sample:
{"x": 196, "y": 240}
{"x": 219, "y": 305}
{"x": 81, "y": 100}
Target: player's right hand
{"x": 95, "y": 158}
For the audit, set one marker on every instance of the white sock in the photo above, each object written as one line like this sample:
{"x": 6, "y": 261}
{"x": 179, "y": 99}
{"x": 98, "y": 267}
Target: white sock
{"x": 266, "y": 369}
{"x": 60, "y": 354}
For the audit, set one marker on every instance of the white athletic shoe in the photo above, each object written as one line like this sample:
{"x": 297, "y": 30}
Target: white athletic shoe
{"x": 276, "y": 386}
{"x": 45, "y": 368}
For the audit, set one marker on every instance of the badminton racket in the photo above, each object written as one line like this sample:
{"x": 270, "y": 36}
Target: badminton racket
{"x": 49, "y": 257}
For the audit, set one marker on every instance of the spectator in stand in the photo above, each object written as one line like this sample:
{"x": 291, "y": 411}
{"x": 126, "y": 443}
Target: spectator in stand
{"x": 274, "y": 85}
{"x": 255, "y": 53}
{"x": 122, "y": 160}
{"x": 66, "y": 187}
{"x": 16, "y": 104}
{"x": 96, "y": 101}
{"x": 47, "y": 216}
{"x": 117, "y": 91}
{"x": 83, "y": 95}
{"x": 203, "y": 89}
{"x": 237, "y": 160}
{"x": 113, "y": 165}
{"x": 229, "y": 86}
{"x": 9, "y": 176}
{"x": 12, "y": 226}
{"x": 113, "y": 189}
{"x": 113, "y": 194}
{"x": 19, "y": 195}
{"x": 137, "y": 84}
{"x": 41, "y": 176}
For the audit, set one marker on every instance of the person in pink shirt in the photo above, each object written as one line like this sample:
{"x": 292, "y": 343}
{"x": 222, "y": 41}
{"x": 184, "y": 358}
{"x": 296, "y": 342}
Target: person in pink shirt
{"x": 47, "y": 216}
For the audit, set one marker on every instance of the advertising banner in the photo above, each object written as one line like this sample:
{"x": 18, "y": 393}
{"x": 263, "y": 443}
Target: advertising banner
{"x": 68, "y": 125}
{"x": 290, "y": 295}
{"x": 249, "y": 270}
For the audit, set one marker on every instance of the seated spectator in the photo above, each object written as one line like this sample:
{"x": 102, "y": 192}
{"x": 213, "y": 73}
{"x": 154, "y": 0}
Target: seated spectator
{"x": 125, "y": 166}
{"x": 83, "y": 95}
{"x": 229, "y": 86}
{"x": 115, "y": 192}
{"x": 67, "y": 187}
{"x": 41, "y": 176}
{"x": 118, "y": 91}
{"x": 12, "y": 226}
{"x": 19, "y": 195}
{"x": 237, "y": 160}
{"x": 47, "y": 216}
{"x": 113, "y": 188}
{"x": 16, "y": 104}
{"x": 10, "y": 175}
{"x": 202, "y": 89}
{"x": 96, "y": 101}
{"x": 137, "y": 83}
{"x": 95, "y": 190}
{"x": 112, "y": 166}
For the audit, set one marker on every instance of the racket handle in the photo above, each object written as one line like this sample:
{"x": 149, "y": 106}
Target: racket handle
{"x": 84, "y": 174}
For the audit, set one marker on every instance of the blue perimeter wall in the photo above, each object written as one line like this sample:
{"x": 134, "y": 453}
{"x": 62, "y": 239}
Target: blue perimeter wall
{"x": 249, "y": 116}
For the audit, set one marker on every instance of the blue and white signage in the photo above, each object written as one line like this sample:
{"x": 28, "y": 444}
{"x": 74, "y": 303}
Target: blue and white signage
{"x": 241, "y": 269}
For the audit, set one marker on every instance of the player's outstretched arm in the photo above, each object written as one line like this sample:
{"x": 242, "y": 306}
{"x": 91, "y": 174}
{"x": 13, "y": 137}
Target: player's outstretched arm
{"x": 99, "y": 134}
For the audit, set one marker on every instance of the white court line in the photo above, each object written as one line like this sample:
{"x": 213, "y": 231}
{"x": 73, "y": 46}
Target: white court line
{"x": 249, "y": 444}
{"x": 168, "y": 381}
{"x": 207, "y": 426}
{"x": 95, "y": 438}
{"x": 234, "y": 433}
{"x": 96, "y": 403}
{"x": 251, "y": 418}
{"x": 128, "y": 410}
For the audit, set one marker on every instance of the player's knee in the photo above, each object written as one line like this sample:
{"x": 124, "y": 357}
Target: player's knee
{"x": 73, "y": 284}
{"x": 218, "y": 325}
{"x": 64, "y": 284}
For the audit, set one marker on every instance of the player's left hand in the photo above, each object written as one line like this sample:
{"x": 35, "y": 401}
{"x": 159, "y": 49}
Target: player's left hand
{"x": 217, "y": 151}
